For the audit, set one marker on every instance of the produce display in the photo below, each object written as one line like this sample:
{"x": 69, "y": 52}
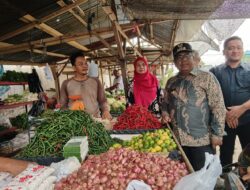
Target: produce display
{"x": 117, "y": 167}
{"x": 3, "y": 128}
{"x": 20, "y": 121}
{"x": 159, "y": 141}
{"x": 58, "y": 127}
{"x": 16, "y": 98}
{"x": 117, "y": 103}
{"x": 13, "y": 98}
{"x": 136, "y": 117}
{"x": 13, "y": 76}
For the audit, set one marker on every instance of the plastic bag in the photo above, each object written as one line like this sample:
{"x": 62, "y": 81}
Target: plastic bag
{"x": 138, "y": 185}
{"x": 48, "y": 72}
{"x": 205, "y": 178}
{"x": 65, "y": 167}
{"x": 37, "y": 108}
{"x": 233, "y": 182}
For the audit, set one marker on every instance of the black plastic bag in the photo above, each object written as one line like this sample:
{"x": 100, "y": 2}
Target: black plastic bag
{"x": 37, "y": 108}
{"x": 34, "y": 82}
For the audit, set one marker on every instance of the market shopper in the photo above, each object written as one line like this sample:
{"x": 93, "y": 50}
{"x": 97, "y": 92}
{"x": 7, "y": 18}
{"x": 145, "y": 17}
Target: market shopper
{"x": 234, "y": 78}
{"x": 117, "y": 83}
{"x": 193, "y": 103}
{"x": 144, "y": 89}
{"x": 89, "y": 91}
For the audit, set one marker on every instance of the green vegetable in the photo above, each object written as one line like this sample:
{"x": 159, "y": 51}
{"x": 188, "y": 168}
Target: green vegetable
{"x": 2, "y": 128}
{"x": 20, "y": 121}
{"x": 13, "y": 76}
{"x": 57, "y": 129}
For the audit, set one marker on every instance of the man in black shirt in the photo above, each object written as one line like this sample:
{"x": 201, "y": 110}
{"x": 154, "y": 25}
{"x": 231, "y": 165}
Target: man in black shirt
{"x": 234, "y": 78}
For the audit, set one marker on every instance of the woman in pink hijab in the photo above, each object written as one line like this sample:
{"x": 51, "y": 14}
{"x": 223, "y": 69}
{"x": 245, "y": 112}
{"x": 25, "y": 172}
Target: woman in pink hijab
{"x": 144, "y": 89}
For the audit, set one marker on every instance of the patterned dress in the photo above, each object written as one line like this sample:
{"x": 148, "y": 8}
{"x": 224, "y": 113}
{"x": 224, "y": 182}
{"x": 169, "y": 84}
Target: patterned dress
{"x": 154, "y": 107}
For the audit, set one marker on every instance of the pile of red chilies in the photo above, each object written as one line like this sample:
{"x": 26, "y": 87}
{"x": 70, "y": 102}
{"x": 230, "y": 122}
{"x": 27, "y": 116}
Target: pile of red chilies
{"x": 137, "y": 117}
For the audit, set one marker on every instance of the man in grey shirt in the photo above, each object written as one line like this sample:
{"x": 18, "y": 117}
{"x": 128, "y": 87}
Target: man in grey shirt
{"x": 89, "y": 90}
{"x": 234, "y": 78}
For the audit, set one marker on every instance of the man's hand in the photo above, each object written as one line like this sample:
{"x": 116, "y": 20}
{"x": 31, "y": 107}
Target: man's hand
{"x": 235, "y": 112}
{"x": 216, "y": 141}
{"x": 165, "y": 118}
{"x": 106, "y": 115}
{"x": 232, "y": 123}
{"x": 247, "y": 176}
{"x": 233, "y": 115}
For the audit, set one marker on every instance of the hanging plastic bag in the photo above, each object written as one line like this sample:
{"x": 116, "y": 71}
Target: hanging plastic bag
{"x": 205, "y": 178}
{"x": 48, "y": 72}
{"x": 138, "y": 185}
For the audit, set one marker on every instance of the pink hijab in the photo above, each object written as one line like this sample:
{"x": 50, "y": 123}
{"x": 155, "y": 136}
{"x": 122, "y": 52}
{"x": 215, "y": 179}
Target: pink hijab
{"x": 145, "y": 85}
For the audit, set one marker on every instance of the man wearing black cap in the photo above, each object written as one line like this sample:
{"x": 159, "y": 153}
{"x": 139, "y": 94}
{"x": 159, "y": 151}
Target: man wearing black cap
{"x": 193, "y": 103}
{"x": 244, "y": 163}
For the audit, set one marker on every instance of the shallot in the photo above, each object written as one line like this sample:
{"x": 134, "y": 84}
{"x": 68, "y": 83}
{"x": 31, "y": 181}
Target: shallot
{"x": 109, "y": 171}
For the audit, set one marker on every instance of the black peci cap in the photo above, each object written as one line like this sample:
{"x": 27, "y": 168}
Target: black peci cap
{"x": 182, "y": 47}
{"x": 244, "y": 158}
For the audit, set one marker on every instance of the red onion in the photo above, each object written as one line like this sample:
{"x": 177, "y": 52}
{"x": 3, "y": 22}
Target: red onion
{"x": 116, "y": 168}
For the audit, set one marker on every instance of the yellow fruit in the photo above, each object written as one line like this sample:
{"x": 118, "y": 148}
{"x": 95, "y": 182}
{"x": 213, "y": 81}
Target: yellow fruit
{"x": 117, "y": 145}
{"x": 153, "y": 150}
{"x": 158, "y": 149}
{"x": 159, "y": 142}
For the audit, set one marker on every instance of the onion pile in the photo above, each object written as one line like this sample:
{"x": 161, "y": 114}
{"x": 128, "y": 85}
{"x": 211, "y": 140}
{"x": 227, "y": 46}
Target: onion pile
{"x": 117, "y": 167}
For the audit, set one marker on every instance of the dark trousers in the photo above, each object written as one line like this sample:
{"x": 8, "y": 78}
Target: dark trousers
{"x": 196, "y": 155}
{"x": 227, "y": 148}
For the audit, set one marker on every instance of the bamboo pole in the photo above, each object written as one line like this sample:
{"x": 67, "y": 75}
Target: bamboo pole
{"x": 189, "y": 166}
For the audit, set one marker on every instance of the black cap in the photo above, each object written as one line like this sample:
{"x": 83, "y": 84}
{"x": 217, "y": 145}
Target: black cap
{"x": 244, "y": 158}
{"x": 182, "y": 47}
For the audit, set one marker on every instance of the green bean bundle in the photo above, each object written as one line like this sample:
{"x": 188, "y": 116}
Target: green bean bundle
{"x": 58, "y": 127}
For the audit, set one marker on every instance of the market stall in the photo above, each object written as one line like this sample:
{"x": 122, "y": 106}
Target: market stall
{"x": 107, "y": 154}
{"x": 58, "y": 137}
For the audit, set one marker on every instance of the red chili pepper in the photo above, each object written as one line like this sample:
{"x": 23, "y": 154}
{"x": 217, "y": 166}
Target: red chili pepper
{"x": 137, "y": 117}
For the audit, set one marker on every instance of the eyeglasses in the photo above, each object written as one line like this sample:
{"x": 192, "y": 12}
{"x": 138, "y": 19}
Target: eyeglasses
{"x": 81, "y": 64}
{"x": 183, "y": 56}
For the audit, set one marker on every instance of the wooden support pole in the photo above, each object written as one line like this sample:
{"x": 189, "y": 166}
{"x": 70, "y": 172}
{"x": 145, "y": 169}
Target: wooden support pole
{"x": 44, "y": 19}
{"x": 59, "y": 73}
{"x": 121, "y": 54}
{"x": 85, "y": 24}
{"x": 156, "y": 59}
{"x": 51, "y": 31}
{"x": 101, "y": 72}
{"x": 124, "y": 69}
{"x": 56, "y": 80}
{"x": 108, "y": 10}
{"x": 54, "y": 41}
{"x": 173, "y": 35}
{"x": 110, "y": 82}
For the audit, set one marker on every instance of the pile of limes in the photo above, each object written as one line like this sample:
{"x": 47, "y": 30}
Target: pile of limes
{"x": 159, "y": 141}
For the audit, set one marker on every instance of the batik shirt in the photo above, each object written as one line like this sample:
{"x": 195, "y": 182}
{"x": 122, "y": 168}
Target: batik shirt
{"x": 196, "y": 107}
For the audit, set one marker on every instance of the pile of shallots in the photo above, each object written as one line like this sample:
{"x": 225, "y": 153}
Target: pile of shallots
{"x": 114, "y": 169}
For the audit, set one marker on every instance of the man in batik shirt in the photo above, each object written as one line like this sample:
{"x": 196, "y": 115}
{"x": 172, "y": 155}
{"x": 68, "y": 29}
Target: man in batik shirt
{"x": 193, "y": 103}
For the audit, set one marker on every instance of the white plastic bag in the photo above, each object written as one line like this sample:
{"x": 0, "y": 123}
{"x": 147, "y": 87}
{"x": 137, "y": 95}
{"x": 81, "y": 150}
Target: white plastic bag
{"x": 65, "y": 167}
{"x": 205, "y": 178}
{"x": 48, "y": 72}
{"x": 138, "y": 185}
